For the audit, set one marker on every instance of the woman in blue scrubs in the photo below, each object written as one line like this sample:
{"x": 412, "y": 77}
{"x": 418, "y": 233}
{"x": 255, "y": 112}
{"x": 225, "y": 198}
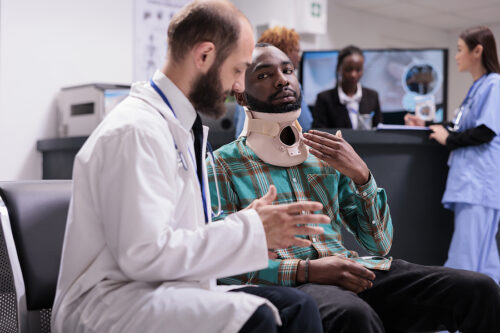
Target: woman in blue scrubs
{"x": 473, "y": 185}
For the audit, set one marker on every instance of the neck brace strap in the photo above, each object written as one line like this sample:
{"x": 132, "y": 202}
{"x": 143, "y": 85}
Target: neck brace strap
{"x": 265, "y": 127}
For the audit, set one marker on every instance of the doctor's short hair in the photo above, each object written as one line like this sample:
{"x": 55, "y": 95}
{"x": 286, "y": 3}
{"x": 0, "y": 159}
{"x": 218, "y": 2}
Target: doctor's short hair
{"x": 216, "y": 21}
{"x": 483, "y": 36}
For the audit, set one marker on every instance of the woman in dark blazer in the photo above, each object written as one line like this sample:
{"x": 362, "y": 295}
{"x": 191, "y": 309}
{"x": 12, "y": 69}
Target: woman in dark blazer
{"x": 341, "y": 106}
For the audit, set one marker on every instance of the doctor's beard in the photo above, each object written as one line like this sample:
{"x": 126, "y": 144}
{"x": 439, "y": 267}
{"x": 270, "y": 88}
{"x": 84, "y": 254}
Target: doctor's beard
{"x": 255, "y": 105}
{"x": 207, "y": 95}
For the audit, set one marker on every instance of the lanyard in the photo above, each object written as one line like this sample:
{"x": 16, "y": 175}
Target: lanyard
{"x": 212, "y": 164}
{"x": 200, "y": 181}
{"x": 470, "y": 94}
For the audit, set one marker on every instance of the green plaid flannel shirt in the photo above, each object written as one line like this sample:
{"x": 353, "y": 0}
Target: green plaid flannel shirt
{"x": 242, "y": 177}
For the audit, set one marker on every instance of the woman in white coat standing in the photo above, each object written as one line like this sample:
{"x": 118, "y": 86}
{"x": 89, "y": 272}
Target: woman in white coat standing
{"x": 140, "y": 253}
{"x": 473, "y": 185}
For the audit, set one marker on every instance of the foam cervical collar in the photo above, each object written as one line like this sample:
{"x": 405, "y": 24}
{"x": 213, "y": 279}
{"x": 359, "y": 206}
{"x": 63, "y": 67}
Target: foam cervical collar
{"x": 276, "y": 138}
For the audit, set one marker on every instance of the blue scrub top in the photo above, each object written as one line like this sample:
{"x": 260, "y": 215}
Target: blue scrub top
{"x": 474, "y": 175}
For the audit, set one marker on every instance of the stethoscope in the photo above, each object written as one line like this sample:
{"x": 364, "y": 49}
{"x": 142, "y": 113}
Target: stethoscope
{"x": 212, "y": 165}
{"x": 184, "y": 163}
{"x": 462, "y": 110}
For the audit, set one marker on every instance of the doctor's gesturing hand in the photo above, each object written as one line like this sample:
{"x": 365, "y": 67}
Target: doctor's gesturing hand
{"x": 283, "y": 222}
{"x": 339, "y": 154}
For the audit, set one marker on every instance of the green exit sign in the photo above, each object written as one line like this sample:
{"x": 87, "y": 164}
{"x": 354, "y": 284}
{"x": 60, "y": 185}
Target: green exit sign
{"x": 315, "y": 9}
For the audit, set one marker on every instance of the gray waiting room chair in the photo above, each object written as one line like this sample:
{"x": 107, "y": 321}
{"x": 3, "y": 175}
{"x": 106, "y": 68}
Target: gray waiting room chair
{"x": 33, "y": 219}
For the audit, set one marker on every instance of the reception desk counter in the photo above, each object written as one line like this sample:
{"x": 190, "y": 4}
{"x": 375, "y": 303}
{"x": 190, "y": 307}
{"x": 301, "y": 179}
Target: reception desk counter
{"x": 58, "y": 155}
{"x": 411, "y": 168}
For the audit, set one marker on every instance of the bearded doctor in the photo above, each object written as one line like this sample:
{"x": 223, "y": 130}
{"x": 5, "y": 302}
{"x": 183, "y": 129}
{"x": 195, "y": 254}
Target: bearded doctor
{"x": 140, "y": 252}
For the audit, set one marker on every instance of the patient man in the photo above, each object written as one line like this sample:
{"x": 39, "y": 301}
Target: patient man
{"x": 354, "y": 294}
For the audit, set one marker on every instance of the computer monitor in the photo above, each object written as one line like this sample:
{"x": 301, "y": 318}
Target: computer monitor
{"x": 398, "y": 75}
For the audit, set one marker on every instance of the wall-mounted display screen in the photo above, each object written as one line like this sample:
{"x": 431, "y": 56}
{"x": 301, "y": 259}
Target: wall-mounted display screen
{"x": 398, "y": 75}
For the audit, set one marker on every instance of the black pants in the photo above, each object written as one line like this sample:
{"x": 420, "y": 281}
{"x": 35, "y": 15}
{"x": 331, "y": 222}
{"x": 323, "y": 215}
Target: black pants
{"x": 412, "y": 298}
{"x": 298, "y": 311}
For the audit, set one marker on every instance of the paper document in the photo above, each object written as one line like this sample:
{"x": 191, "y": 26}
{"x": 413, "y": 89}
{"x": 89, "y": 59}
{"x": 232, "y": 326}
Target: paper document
{"x": 381, "y": 127}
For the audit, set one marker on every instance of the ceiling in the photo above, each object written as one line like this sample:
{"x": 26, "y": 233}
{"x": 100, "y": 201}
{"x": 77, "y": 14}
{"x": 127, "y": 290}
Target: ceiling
{"x": 446, "y": 15}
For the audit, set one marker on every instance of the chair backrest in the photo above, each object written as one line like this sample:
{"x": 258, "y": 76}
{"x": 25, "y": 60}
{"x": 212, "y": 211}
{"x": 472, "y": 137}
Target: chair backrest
{"x": 36, "y": 217}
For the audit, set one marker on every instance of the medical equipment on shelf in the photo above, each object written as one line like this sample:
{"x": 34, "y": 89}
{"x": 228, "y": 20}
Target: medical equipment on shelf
{"x": 81, "y": 108}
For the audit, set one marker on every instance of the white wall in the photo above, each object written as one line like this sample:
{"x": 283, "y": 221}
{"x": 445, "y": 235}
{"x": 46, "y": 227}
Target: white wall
{"x": 348, "y": 26}
{"x": 46, "y": 45}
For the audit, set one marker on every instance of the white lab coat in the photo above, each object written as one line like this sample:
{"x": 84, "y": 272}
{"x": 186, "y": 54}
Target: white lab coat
{"x": 137, "y": 255}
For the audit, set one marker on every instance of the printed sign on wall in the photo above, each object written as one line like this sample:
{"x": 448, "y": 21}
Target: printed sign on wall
{"x": 311, "y": 16}
{"x": 151, "y": 20}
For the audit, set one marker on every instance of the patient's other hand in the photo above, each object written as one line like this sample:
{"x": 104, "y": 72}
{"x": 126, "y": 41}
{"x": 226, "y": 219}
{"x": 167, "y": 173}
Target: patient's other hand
{"x": 338, "y": 153}
{"x": 342, "y": 272}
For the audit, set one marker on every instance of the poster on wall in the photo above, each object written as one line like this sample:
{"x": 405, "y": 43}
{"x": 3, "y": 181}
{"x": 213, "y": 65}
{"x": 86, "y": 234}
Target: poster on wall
{"x": 151, "y": 19}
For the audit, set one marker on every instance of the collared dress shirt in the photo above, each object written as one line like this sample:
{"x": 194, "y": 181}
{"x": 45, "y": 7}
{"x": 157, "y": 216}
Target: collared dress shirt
{"x": 352, "y": 104}
{"x": 242, "y": 177}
